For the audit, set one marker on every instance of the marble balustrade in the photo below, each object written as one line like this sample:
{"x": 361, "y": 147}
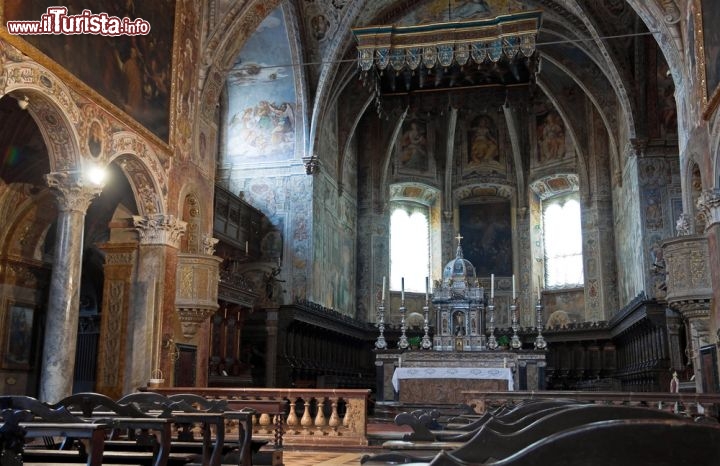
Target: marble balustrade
{"x": 310, "y": 416}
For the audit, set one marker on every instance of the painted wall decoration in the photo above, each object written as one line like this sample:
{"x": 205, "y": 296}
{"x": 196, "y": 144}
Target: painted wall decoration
{"x": 711, "y": 45}
{"x": 412, "y": 146}
{"x": 460, "y": 10}
{"x": 667, "y": 110}
{"x": 260, "y": 118}
{"x": 653, "y": 209}
{"x": 551, "y": 137}
{"x": 483, "y": 148}
{"x": 132, "y": 72}
{"x": 487, "y": 236}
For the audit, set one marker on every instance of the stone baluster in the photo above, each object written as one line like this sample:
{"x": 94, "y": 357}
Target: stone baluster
{"x": 74, "y": 194}
{"x": 334, "y": 421}
{"x": 306, "y": 422}
{"x": 292, "y": 419}
{"x": 320, "y": 421}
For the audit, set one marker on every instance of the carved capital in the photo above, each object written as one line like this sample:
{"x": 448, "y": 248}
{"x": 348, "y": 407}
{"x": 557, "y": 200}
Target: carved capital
{"x": 312, "y": 164}
{"x": 74, "y": 192}
{"x": 208, "y": 244}
{"x": 708, "y": 204}
{"x": 159, "y": 229}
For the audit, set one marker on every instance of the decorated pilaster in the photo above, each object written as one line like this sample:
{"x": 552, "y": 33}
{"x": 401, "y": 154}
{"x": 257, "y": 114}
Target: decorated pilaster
{"x": 153, "y": 298}
{"x": 709, "y": 205}
{"x": 116, "y": 306}
{"x": 74, "y": 194}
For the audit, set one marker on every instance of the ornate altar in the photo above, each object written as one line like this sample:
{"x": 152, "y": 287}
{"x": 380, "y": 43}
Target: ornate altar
{"x": 459, "y": 304}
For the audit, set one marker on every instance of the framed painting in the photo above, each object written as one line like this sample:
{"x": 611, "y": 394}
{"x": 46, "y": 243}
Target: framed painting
{"x": 707, "y": 43}
{"x": 18, "y": 343}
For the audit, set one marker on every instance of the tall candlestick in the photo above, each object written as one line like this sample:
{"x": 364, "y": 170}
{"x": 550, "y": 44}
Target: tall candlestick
{"x": 402, "y": 288}
{"x": 383, "y": 292}
{"x": 513, "y": 283}
{"x": 427, "y": 288}
{"x": 492, "y": 286}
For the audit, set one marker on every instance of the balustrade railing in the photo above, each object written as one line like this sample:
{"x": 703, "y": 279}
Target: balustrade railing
{"x": 297, "y": 416}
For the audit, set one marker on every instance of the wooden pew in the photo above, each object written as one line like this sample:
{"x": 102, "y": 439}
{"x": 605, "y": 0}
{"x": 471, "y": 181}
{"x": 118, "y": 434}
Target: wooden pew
{"x": 25, "y": 417}
{"x": 186, "y": 411}
{"x": 128, "y": 423}
{"x": 504, "y": 420}
{"x": 488, "y": 444}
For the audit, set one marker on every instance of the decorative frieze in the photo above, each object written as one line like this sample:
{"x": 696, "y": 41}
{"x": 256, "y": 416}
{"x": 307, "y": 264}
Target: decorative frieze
{"x": 160, "y": 229}
{"x": 74, "y": 192}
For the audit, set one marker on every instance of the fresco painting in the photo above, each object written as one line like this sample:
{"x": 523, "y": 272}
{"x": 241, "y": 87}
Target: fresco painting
{"x": 459, "y": 10}
{"x": 132, "y": 72}
{"x": 412, "y": 146}
{"x": 261, "y": 97}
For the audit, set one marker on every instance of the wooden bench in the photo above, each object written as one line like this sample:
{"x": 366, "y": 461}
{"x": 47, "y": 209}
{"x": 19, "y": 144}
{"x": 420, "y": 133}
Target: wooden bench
{"x": 488, "y": 444}
{"x": 25, "y": 418}
{"x": 148, "y": 436}
{"x": 187, "y": 411}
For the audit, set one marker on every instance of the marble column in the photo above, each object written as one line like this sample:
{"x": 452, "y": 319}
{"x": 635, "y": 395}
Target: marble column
{"x": 74, "y": 195}
{"x": 153, "y": 296}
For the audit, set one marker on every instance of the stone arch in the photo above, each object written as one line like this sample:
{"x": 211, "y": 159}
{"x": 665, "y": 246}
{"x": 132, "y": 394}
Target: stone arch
{"x": 28, "y": 216}
{"x": 53, "y": 107}
{"x": 145, "y": 173}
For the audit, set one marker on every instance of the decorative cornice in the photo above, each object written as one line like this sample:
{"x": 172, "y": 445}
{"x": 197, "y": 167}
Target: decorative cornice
{"x": 709, "y": 205}
{"x": 159, "y": 229}
{"x": 191, "y": 318}
{"x": 74, "y": 193}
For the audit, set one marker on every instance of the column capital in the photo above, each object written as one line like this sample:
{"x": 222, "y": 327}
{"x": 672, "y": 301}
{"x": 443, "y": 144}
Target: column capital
{"x": 159, "y": 229}
{"x": 709, "y": 205}
{"x": 208, "y": 244}
{"x": 73, "y": 191}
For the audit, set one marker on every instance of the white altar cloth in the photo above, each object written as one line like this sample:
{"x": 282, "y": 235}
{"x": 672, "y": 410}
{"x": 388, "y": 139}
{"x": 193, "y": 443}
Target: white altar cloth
{"x": 502, "y": 373}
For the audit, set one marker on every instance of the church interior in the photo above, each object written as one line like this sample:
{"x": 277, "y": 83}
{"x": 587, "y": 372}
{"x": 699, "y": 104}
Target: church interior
{"x": 314, "y": 194}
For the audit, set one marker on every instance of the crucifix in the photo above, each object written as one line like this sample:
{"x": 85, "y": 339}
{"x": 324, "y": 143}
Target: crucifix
{"x": 459, "y": 238}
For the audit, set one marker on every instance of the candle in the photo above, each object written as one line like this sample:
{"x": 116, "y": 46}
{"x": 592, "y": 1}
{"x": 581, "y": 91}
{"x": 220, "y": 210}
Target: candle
{"x": 246, "y": 248}
{"x": 402, "y": 289}
{"x": 492, "y": 285}
{"x": 504, "y": 362}
{"x": 383, "y": 292}
{"x": 513, "y": 281}
{"x": 427, "y": 288}
{"x": 538, "y": 290}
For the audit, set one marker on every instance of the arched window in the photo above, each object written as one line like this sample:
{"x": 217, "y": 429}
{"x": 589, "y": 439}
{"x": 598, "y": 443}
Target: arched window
{"x": 409, "y": 246}
{"x": 562, "y": 235}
